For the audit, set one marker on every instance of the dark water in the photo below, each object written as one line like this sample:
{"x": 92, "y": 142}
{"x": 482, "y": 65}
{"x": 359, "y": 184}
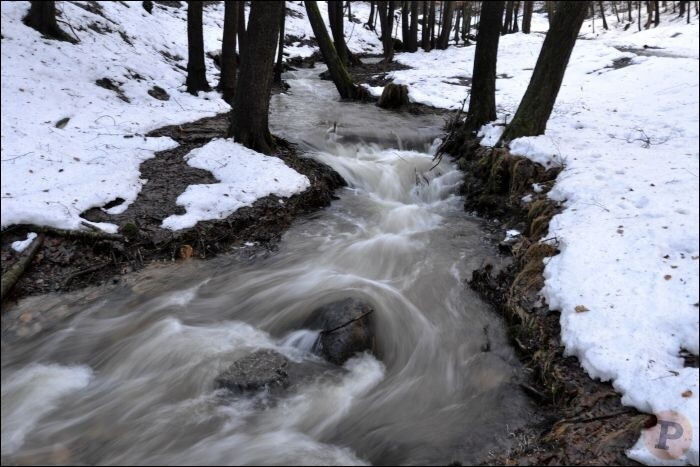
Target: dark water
{"x": 127, "y": 377}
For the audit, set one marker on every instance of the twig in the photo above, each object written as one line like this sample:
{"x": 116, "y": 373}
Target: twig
{"x": 71, "y": 28}
{"x": 17, "y": 157}
{"x": 76, "y": 274}
{"x": 345, "y": 324}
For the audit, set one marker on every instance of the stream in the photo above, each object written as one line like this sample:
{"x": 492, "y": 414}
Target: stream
{"x": 128, "y": 376}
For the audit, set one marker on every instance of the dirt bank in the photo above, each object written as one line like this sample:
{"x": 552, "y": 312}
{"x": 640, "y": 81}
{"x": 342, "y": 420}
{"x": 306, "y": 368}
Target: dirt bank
{"x": 66, "y": 263}
{"x": 584, "y": 421}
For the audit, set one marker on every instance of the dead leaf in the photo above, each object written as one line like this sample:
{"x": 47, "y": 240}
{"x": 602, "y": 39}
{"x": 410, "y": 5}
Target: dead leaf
{"x": 581, "y": 309}
{"x": 185, "y": 252}
{"x": 667, "y": 277}
{"x": 687, "y": 393}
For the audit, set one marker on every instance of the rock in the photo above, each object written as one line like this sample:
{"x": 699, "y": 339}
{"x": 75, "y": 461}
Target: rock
{"x": 159, "y": 93}
{"x": 261, "y": 369}
{"x": 346, "y": 328}
{"x": 393, "y": 96}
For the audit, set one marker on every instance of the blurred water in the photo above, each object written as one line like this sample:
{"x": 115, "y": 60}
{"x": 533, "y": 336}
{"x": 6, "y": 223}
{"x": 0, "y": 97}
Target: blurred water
{"x": 129, "y": 378}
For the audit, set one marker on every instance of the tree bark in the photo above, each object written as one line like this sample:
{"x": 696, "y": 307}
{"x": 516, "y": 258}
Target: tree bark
{"x": 425, "y": 33}
{"x": 527, "y": 16}
{"x": 656, "y": 13}
{"x": 444, "y": 39}
{"x": 227, "y": 82}
{"x": 551, "y": 6}
{"x": 335, "y": 18}
{"x": 339, "y": 74}
{"x": 431, "y": 25}
{"x": 196, "y": 70}
{"x": 516, "y": 10}
{"x": 42, "y": 17}
{"x": 277, "y": 77}
{"x": 370, "y": 20}
{"x": 537, "y": 103}
{"x": 458, "y": 19}
{"x": 241, "y": 25}
{"x": 249, "y": 116}
{"x": 482, "y": 99}
{"x": 405, "y": 30}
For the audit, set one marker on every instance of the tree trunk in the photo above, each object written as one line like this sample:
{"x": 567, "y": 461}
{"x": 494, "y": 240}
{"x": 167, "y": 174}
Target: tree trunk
{"x": 639, "y": 16}
{"x": 386, "y": 22}
{"x": 148, "y": 6}
{"x": 249, "y": 117}
{"x": 602, "y": 15}
{"x": 508, "y": 19}
{"x": 196, "y": 71}
{"x": 405, "y": 30}
{"x": 370, "y": 20}
{"x": 42, "y": 17}
{"x": 227, "y": 82}
{"x": 527, "y": 16}
{"x": 458, "y": 18}
{"x": 241, "y": 25}
{"x": 617, "y": 14}
{"x": 277, "y": 77}
{"x": 425, "y": 32}
{"x": 656, "y": 13}
{"x": 412, "y": 45}
{"x": 482, "y": 99}
{"x": 431, "y": 25}
{"x": 550, "y": 10}
{"x": 335, "y": 17}
{"x": 537, "y": 103}
{"x": 516, "y": 10}
{"x": 629, "y": 11}
{"x": 444, "y": 40}
{"x": 339, "y": 74}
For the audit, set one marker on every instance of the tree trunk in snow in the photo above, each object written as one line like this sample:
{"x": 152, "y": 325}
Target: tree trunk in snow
{"x": 335, "y": 17}
{"x": 527, "y": 16}
{"x": 227, "y": 82}
{"x": 602, "y": 15}
{"x": 370, "y": 20}
{"x": 42, "y": 17}
{"x": 196, "y": 70}
{"x": 425, "y": 33}
{"x": 458, "y": 18}
{"x": 444, "y": 39}
{"x": 505, "y": 28}
{"x": 241, "y": 25}
{"x": 656, "y": 13}
{"x": 550, "y": 10}
{"x": 148, "y": 6}
{"x": 386, "y": 22}
{"x": 431, "y": 25}
{"x": 249, "y": 117}
{"x": 482, "y": 99}
{"x": 339, "y": 74}
{"x": 405, "y": 30}
{"x": 277, "y": 77}
{"x": 537, "y": 103}
{"x": 412, "y": 45}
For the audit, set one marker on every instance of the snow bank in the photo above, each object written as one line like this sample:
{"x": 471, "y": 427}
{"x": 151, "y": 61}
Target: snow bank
{"x": 627, "y": 137}
{"x": 244, "y": 175}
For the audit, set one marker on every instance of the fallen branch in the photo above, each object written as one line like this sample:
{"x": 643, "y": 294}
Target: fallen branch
{"x": 10, "y": 278}
{"x": 87, "y": 234}
{"x": 94, "y": 268}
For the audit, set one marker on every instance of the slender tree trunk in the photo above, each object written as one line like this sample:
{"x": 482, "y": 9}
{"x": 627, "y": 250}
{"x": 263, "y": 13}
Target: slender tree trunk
{"x": 516, "y": 10}
{"x": 386, "y": 22}
{"x": 639, "y": 16}
{"x": 370, "y": 20}
{"x": 277, "y": 77}
{"x": 505, "y": 28}
{"x": 617, "y": 14}
{"x": 657, "y": 20}
{"x": 405, "y": 29}
{"x": 527, "y": 16}
{"x": 196, "y": 70}
{"x": 482, "y": 99}
{"x": 42, "y": 17}
{"x": 537, "y": 103}
{"x": 335, "y": 17}
{"x": 458, "y": 18}
{"x": 339, "y": 74}
{"x": 550, "y": 10}
{"x": 444, "y": 40}
{"x": 412, "y": 45}
{"x": 629, "y": 11}
{"x": 431, "y": 25}
{"x": 425, "y": 32}
{"x": 602, "y": 15}
{"x": 227, "y": 82}
{"x": 249, "y": 117}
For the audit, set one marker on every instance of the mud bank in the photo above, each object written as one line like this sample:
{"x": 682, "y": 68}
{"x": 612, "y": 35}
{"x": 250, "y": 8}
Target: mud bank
{"x": 584, "y": 421}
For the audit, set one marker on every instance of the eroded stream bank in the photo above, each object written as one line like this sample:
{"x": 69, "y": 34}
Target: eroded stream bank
{"x": 127, "y": 373}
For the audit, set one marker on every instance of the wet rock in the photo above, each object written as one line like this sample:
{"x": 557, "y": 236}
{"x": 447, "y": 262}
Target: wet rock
{"x": 346, "y": 328}
{"x": 393, "y": 96}
{"x": 261, "y": 369}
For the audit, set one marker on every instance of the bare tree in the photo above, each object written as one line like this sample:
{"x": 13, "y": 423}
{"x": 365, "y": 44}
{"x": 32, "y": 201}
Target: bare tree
{"x": 537, "y": 103}
{"x": 444, "y": 39}
{"x": 229, "y": 61}
{"x": 249, "y": 117}
{"x": 412, "y": 44}
{"x": 602, "y": 15}
{"x": 196, "y": 70}
{"x": 386, "y": 21}
{"x": 527, "y": 16}
{"x": 279, "y": 65}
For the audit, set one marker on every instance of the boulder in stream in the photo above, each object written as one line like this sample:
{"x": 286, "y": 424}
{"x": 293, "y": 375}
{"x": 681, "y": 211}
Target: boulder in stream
{"x": 261, "y": 369}
{"x": 394, "y": 96}
{"x": 347, "y": 328}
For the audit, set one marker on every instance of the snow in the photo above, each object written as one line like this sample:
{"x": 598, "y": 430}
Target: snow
{"x": 627, "y": 139}
{"x": 244, "y": 175}
{"x": 20, "y": 245}
{"x": 51, "y": 174}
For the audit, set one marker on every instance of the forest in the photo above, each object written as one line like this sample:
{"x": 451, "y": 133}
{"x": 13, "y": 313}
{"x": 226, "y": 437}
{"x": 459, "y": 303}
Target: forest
{"x": 350, "y": 232}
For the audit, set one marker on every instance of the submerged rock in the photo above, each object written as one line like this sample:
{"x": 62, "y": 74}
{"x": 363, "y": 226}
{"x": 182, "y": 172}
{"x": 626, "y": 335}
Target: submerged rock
{"x": 346, "y": 328}
{"x": 261, "y": 369}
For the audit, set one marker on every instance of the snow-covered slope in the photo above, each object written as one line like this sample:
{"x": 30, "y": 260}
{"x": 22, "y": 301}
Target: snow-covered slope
{"x": 628, "y": 138}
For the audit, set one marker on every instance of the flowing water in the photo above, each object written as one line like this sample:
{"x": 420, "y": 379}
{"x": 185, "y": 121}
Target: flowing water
{"x": 127, "y": 377}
